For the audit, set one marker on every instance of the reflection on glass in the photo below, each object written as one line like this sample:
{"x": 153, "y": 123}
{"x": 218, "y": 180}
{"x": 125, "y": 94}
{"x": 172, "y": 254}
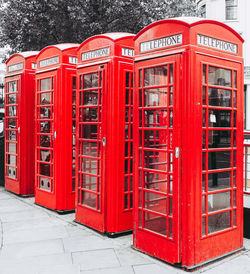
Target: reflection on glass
{"x": 235, "y": 79}
{"x": 219, "y": 201}
{"x": 11, "y": 148}
{"x": 155, "y": 138}
{"x": 90, "y": 132}
{"x": 90, "y": 114}
{"x": 155, "y": 181}
{"x": 219, "y": 76}
{"x": 219, "y": 97}
{"x": 89, "y": 199}
{"x": 45, "y": 141}
{"x": 12, "y": 111}
{"x": 45, "y": 98}
{"x": 11, "y": 122}
{"x": 44, "y": 169}
{"x": 235, "y": 99}
{"x": 155, "y": 118}
{"x": 12, "y": 160}
{"x": 140, "y": 77}
{"x": 45, "y": 155}
{"x": 12, "y": 98}
{"x": 219, "y": 138}
{"x": 218, "y": 222}
{"x": 89, "y": 182}
{"x": 155, "y": 76}
{"x": 171, "y": 73}
{"x": 219, "y": 160}
{"x": 204, "y": 74}
{"x": 90, "y": 98}
{"x": 219, "y": 180}
{"x": 45, "y": 127}
{"x": 90, "y": 80}
{"x": 155, "y": 97}
{"x": 46, "y": 84}
{"x": 155, "y": 202}
{"x": 13, "y": 86}
{"x": 155, "y": 160}
{"x": 90, "y": 149}
{"x": 90, "y": 166}
{"x": 155, "y": 223}
{"x": 45, "y": 112}
{"x": 219, "y": 118}
{"x": 12, "y": 135}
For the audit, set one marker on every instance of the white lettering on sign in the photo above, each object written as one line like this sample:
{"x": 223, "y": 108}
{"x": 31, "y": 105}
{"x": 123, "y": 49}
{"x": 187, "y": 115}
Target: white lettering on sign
{"x": 95, "y": 54}
{"x": 48, "y": 62}
{"x": 72, "y": 60}
{"x": 128, "y": 52}
{"x": 15, "y": 67}
{"x": 164, "y": 42}
{"x": 216, "y": 43}
{"x": 33, "y": 65}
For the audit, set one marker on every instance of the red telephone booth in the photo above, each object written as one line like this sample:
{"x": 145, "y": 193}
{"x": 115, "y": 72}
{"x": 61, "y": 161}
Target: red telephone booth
{"x": 55, "y": 127}
{"x": 188, "y": 141}
{"x": 19, "y": 123}
{"x": 104, "y": 133}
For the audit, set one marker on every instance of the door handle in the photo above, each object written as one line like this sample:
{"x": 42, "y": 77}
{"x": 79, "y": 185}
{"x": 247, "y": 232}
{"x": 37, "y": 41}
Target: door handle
{"x": 55, "y": 134}
{"x": 104, "y": 141}
{"x": 177, "y": 152}
{"x": 18, "y": 130}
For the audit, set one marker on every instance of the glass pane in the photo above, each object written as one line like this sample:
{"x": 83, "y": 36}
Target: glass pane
{"x": 88, "y": 182}
{"x": 219, "y": 76}
{"x": 90, "y": 149}
{"x": 45, "y": 98}
{"x": 219, "y": 201}
{"x": 220, "y": 180}
{"x": 204, "y": 226}
{"x": 45, "y": 127}
{"x": 89, "y": 199}
{"x": 11, "y": 135}
{"x": 218, "y": 222}
{"x": 45, "y": 170}
{"x": 155, "y": 139}
{"x": 90, "y": 166}
{"x": 45, "y": 155}
{"x": 219, "y": 118}
{"x": 13, "y": 86}
{"x": 12, "y": 98}
{"x": 235, "y": 79}
{"x": 204, "y": 95}
{"x": 170, "y": 228}
{"x": 155, "y": 76}
{"x": 90, "y": 80}
{"x": 203, "y": 182}
{"x": 12, "y": 111}
{"x": 155, "y": 202}
{"x": 46, "y": 84}
{"x": 204, "y": 77}
{"x": 219, "y": 160}
{"x": 155, "y": 97}
{"x": 45, "y": 112}
{"x": 219, "y": 138}
{"x": 45, "y": 141}
{"x": 155, "y": 223}
{"x": 12, "y": 148}
{"x": 11, "y": 160}
{"x": 45, "y": 183}
{"x": 219, "y": 97}
{"x": 11, "y": 172}
{"x": 11, "y": 122}
{"x": 74, "y": 83}
{"x": 155, "y": 181}
{"x": 90, "y": 98}
{"x": 90, "y": 132}
{"x": 155, "y": 160}
{"x": 155, "y": 118}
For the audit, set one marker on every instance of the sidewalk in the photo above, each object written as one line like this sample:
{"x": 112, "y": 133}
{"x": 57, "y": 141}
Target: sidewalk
{"x": 34, "y": 240}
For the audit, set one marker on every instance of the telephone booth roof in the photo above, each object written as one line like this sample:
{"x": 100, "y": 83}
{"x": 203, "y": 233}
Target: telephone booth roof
{"x": 57, "y": 54}
{"x": 20, "y": 61}
{"x": 208, "y": 34}
{"x": 113, "y": 40}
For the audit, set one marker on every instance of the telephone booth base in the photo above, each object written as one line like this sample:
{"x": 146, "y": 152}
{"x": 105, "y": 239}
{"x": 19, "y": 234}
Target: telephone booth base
{"x": 60, "y": 212}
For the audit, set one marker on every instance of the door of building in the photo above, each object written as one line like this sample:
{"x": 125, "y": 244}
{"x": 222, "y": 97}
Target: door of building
{"x": 91, "y": 146}
{"x": 158, "y": 157}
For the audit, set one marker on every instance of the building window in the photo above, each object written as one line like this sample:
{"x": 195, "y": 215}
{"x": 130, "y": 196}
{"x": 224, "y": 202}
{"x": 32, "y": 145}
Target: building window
{"x": 203, "y": 11}
{"x": 245, "y": 105}
{"x": 231, "y": 9}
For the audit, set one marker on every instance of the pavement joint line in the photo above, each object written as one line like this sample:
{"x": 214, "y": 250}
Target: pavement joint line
{"x": 1, "y": 236}
{"x": 117, "y": 257}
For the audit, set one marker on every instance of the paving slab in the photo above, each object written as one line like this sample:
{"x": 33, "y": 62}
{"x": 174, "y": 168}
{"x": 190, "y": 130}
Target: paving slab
{"x": 18, "y": 251}
{"x": 96, "y": 259}
{"x": 115, "y": 270}
{"x": 29, "y": 235}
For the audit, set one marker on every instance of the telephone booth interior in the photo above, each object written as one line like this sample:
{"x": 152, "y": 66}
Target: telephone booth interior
{"x": 104, "y": 133}
{"x": 19, "y": 123}
{"x": 188, "y": 141}
{"x": 55, "y": 127}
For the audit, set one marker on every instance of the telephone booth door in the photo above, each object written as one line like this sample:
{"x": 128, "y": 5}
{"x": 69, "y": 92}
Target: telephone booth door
{"x": 91, "y": 145}
{"x": 45, "y": 133}
{"x": 157, "y": 145}
{"x": 12, "y": 130}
